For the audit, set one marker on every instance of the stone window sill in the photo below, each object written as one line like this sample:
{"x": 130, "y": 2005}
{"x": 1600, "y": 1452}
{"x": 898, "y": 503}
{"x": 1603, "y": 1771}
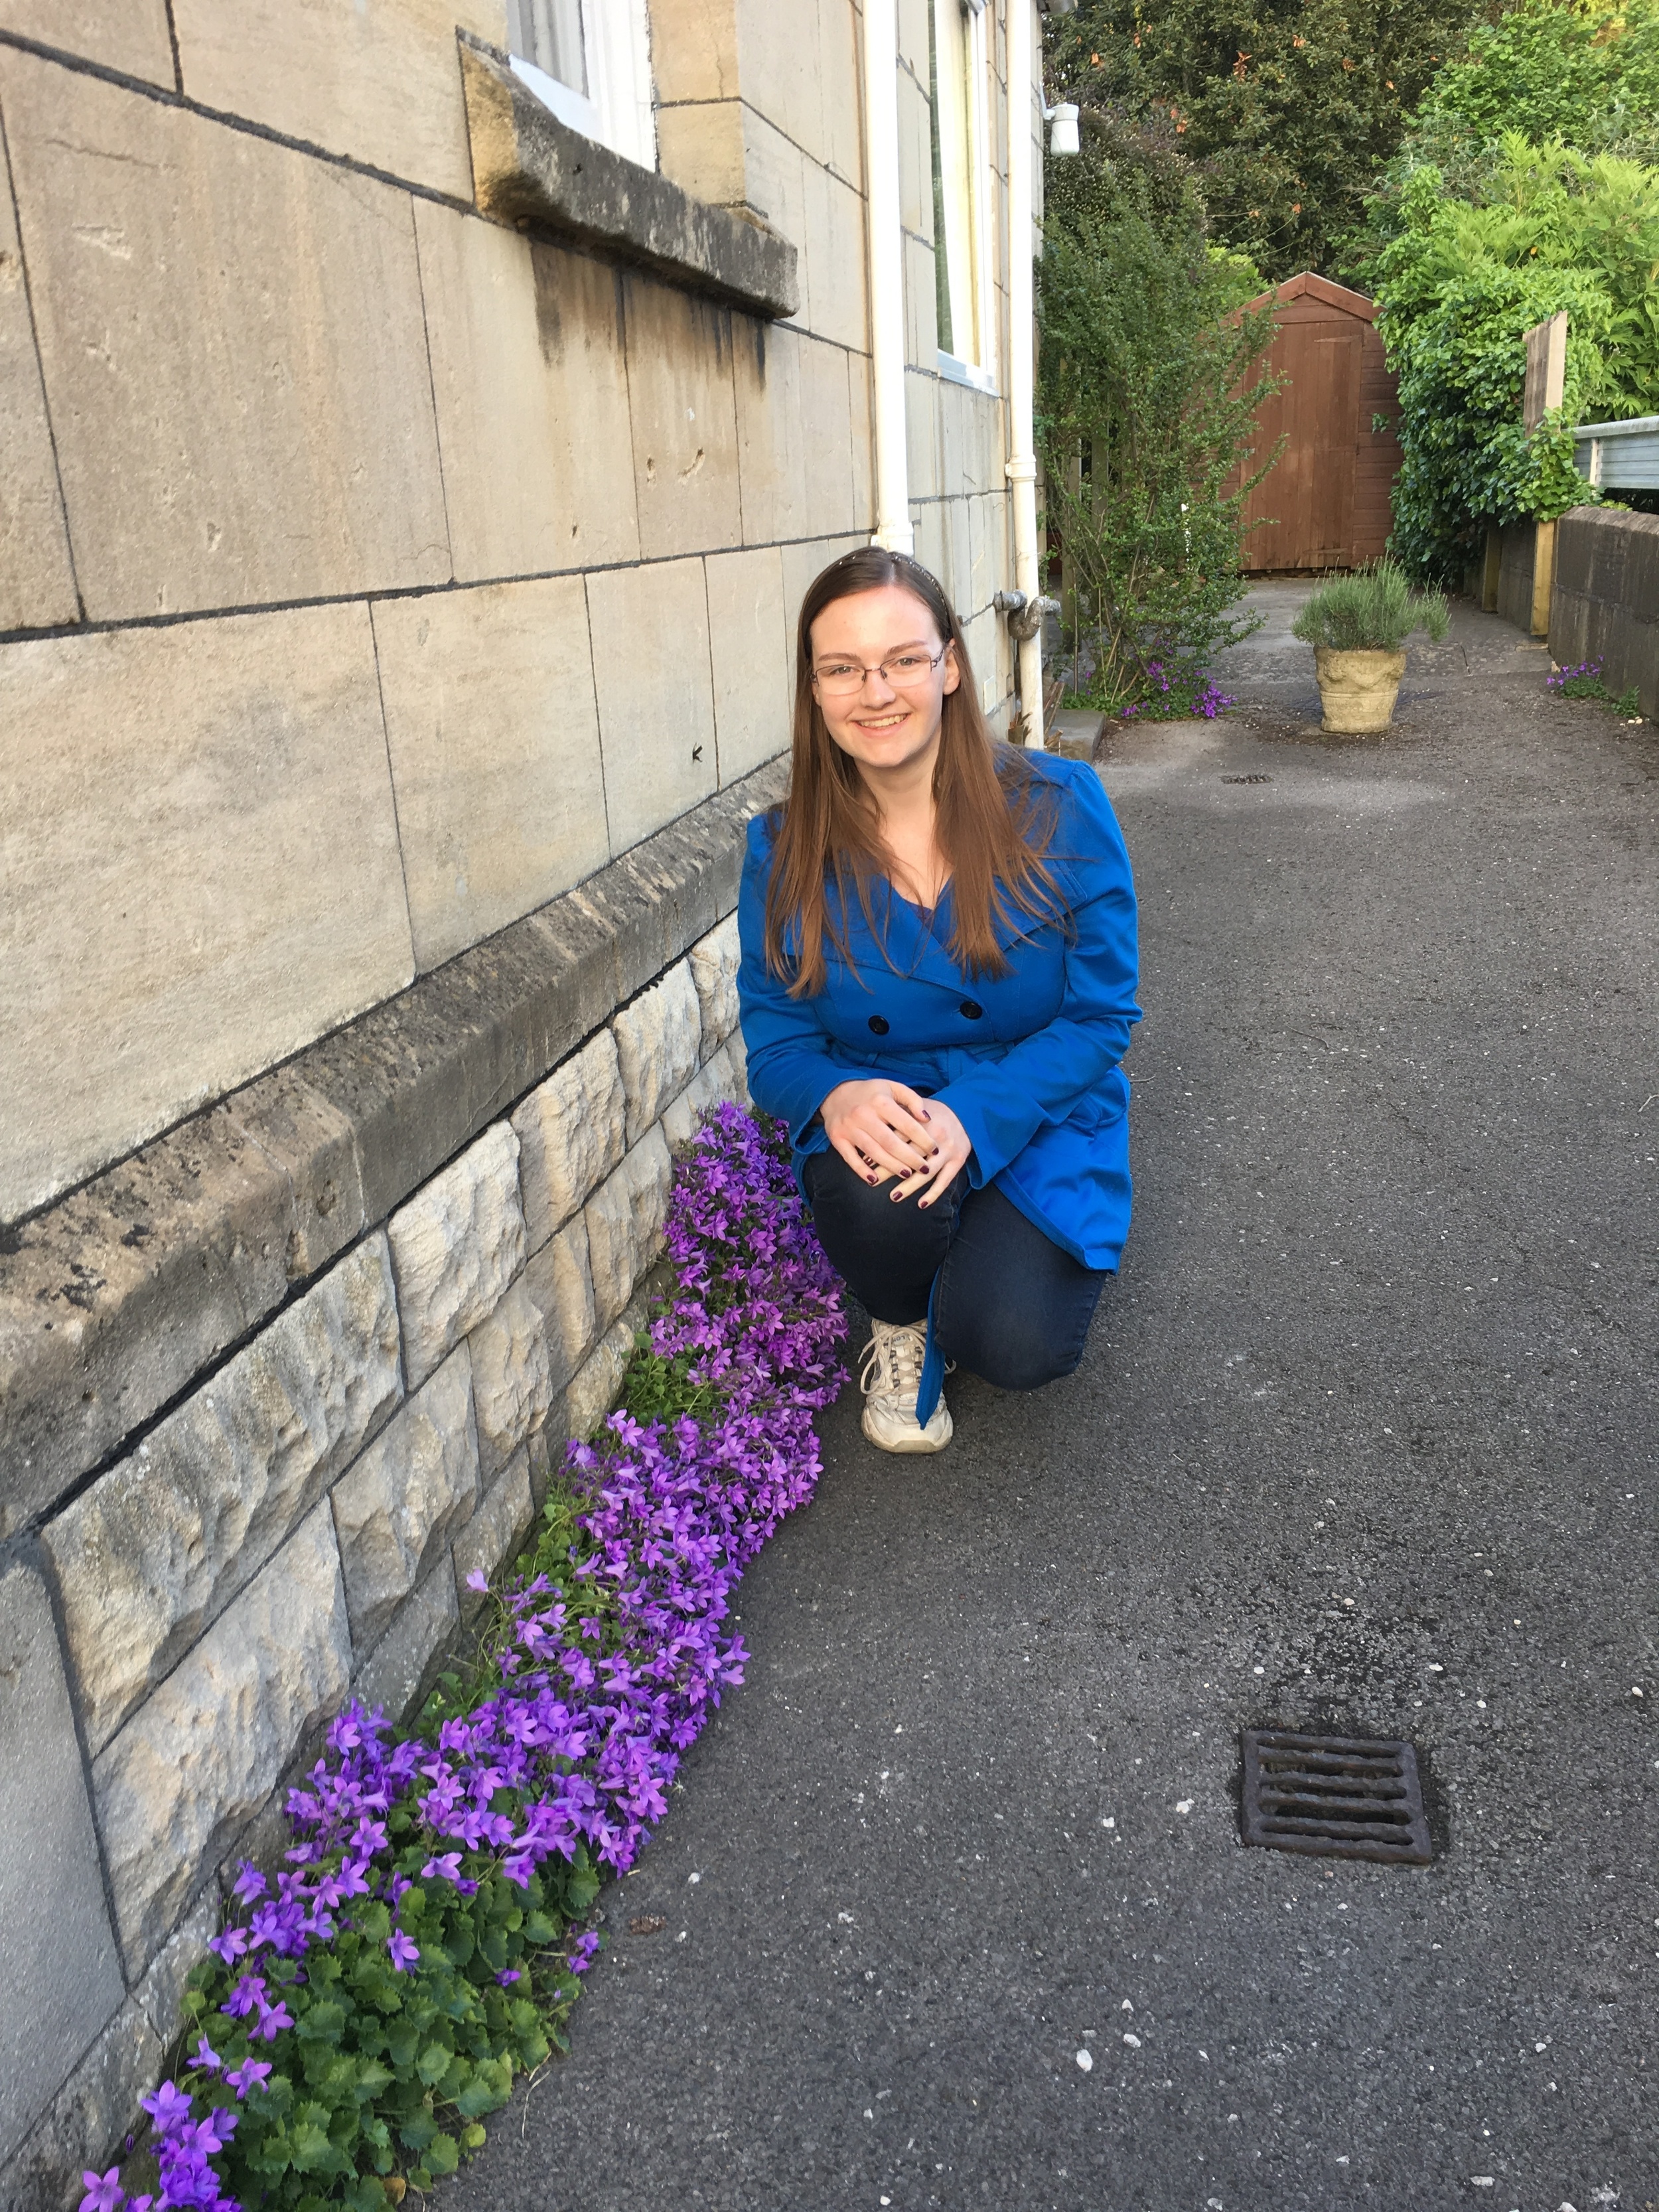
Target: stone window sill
{"x": 529, "y": 168}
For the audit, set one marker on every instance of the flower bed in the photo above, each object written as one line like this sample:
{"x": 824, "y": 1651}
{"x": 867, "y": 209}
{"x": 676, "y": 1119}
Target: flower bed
{"x": 366, "y": 2008}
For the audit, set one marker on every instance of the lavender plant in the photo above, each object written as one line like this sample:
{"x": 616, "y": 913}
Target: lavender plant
{"x": 366, "y": 2008}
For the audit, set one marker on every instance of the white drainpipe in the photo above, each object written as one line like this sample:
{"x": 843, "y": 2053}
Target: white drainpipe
{"x": 1022, "y": 457}
{"x": 886, "y": 251}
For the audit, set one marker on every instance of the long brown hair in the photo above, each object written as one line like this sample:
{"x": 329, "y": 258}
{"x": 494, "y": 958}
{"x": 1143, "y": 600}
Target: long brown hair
{"x": 993, "y": 817}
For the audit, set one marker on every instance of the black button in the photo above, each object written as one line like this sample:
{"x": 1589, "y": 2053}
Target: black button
{"x": 879, "y": 1025}
{"x": 973, "y": 1011}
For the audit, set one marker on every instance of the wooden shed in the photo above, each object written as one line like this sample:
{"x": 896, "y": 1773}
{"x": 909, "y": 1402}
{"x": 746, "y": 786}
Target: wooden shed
{"x": 1326, "y": 502}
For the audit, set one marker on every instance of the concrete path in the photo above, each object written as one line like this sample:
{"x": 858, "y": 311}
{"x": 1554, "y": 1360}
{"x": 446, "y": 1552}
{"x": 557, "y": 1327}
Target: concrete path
{"x": 1365, "y": 1438}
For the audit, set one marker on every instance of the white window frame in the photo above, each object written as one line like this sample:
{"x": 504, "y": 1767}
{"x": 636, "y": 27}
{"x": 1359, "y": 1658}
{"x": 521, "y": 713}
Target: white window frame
{"x": 960, "y": 30}
{"x": 617, "y": 109}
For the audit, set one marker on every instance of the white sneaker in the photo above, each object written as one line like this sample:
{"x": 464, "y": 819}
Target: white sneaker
{"x": 890, "y": 1379}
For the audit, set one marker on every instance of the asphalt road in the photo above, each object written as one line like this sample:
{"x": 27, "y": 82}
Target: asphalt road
{"x": 1365, "y": 1438}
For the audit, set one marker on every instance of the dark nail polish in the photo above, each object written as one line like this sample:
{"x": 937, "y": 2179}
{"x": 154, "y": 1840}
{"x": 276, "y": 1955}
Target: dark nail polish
{"x": 925, "y": 1115}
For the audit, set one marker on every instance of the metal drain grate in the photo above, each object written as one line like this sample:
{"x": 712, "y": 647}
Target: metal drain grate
{"x": 1334, "y": 1797}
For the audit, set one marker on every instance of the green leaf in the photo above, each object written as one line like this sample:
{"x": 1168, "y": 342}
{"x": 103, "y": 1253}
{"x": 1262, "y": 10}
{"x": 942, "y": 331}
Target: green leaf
{"x": 417, "y": 2131}
{"x": 443, "y": 2156}
{"x": 434, "y": 2063}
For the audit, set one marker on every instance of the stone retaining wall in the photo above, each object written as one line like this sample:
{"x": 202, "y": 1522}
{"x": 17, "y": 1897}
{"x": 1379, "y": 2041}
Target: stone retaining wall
{"x": 1605, "y": 601}
{"x": 182, "y": 1611}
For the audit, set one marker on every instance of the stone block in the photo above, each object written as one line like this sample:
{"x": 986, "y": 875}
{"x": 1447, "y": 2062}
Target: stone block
{"x": 779, "y": 65}
{"x": 839, "y": 24}
{"x": 456, "y": 1246}
{"x": 532, "y": 417}
{"x": 751, "y": 664}
{"x": 694, "y": 53}
{"x": 713, "y": 961}
{"x": 527, "y": 166}
{"x": 155, "y": 1549}
{"x": 683, "y": 417}
{"x": 195, "y": 1763}
{"x": 701, "y": 146}
{"x": 921, "y": 306}
{"x": 129, "y": 36}
{"x": 658, "y": 1038}
{"x": 399, "y": 1673}
{"x": 824, "y": 404}
{"x": 836, "y": 305}
{"x": 138, "y": 992}
{"x": 270, "y": 402}
{"x": 713, "y": 1085}
{"x": 94, "y": 2110}
{"x": 572, "y": 1131}
{"x": 738, "y": 1052}
{"x": 625, "y": 1218}
{"x": 494, "y": 740}
{"x": 772, "y": 438}
{"x": 495, "y": 1532}
{"x": 596, "y": 1389}
{"x": 916, "y": 155}
{"x": 37, "y": 584}
{"x": 561, "y": 1286}
{"x": 922, "y": 436}
{"x": 162, "y": 1992}
{"x": 313, "y": 1144}
{"x": 380, "y": 85}
{"x": 650, "y": 630}
{"x": 860, "y": 417}
{"x": 58, "y": 1959}
{"x": 398, "y": 1507}
{"x": 511, "y": 1378}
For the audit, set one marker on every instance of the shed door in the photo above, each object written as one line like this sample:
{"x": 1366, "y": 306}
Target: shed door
{"x": 1310, "y": 493}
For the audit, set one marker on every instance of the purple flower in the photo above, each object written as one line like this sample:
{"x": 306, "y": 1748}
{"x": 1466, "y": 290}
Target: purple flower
{"x": 478, "y": 1580}
{"x": 446, "y": 1868}
{"x": 205, "y": 2055}
{"x": 251, "y": 2074}
{"x": 508, "y": 1976}
{"x": 104, "y": 2192}
{"x": 248, "y": 1995}
{"x": 169, "y": 2107}
{"x": 581, "y": 1952}
{"x": 273, "y": 2019}
{"x": 404, "y": 1952}
{"x": 250, "y": 1883}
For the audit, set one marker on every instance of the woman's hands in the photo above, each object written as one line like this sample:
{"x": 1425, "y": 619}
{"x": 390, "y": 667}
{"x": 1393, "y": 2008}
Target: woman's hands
{"x": 885, "y": 1131}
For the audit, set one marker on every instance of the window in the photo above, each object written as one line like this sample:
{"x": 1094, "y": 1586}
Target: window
{"x": 957, "y": 87}
{"x": 589, "y": 60}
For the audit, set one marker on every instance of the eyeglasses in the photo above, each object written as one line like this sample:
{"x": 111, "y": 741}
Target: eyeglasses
{"x": 840, "y": 679}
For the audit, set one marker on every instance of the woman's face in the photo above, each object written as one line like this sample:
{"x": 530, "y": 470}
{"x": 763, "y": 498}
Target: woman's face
{"x": 885, "y": 724}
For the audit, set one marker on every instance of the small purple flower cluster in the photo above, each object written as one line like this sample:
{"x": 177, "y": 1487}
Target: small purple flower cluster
{"x": 590, "y": 1713}
{"x": 1178, "y": 693}
{"x": 1560, "y": 678}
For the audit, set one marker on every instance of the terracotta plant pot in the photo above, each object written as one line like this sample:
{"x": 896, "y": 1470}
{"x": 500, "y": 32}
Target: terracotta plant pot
{"x": 1357, "y": 689}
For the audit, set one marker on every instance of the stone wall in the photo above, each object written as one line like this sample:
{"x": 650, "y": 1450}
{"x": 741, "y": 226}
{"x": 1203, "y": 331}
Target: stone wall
{"x": 1604, "y": 605}
{"x": 188, "y": 1606}
{"x": 374, "y": 564}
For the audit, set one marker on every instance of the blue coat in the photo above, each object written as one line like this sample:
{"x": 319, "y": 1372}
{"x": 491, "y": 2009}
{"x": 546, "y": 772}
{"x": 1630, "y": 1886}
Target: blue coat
{"x": 1028, "y": 1062}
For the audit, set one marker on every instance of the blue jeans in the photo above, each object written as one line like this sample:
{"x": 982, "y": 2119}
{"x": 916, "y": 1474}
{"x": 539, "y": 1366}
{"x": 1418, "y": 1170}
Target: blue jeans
{"x": 1010, "y": 1307}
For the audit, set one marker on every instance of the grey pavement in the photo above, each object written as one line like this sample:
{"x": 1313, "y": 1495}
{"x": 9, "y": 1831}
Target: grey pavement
{"x": 1365, "y": 1438}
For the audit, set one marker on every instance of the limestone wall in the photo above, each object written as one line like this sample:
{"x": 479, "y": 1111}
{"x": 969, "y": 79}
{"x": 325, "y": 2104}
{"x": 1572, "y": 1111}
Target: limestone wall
{"x": 297, "y": 1522}
{"x": 372, "y": 571}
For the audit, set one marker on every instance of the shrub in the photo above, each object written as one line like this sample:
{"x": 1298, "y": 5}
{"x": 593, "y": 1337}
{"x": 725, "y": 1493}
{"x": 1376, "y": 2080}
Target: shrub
{"x": 1149, "y": 389}
{"x": 1373, "y": 611}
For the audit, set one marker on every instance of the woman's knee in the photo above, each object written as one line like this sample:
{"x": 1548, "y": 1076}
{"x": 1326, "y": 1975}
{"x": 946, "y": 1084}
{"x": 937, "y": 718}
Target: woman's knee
{"x": 1014, "y": 1357}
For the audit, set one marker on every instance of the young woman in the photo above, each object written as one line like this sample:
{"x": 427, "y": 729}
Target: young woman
{"x": 936, "y": 985}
